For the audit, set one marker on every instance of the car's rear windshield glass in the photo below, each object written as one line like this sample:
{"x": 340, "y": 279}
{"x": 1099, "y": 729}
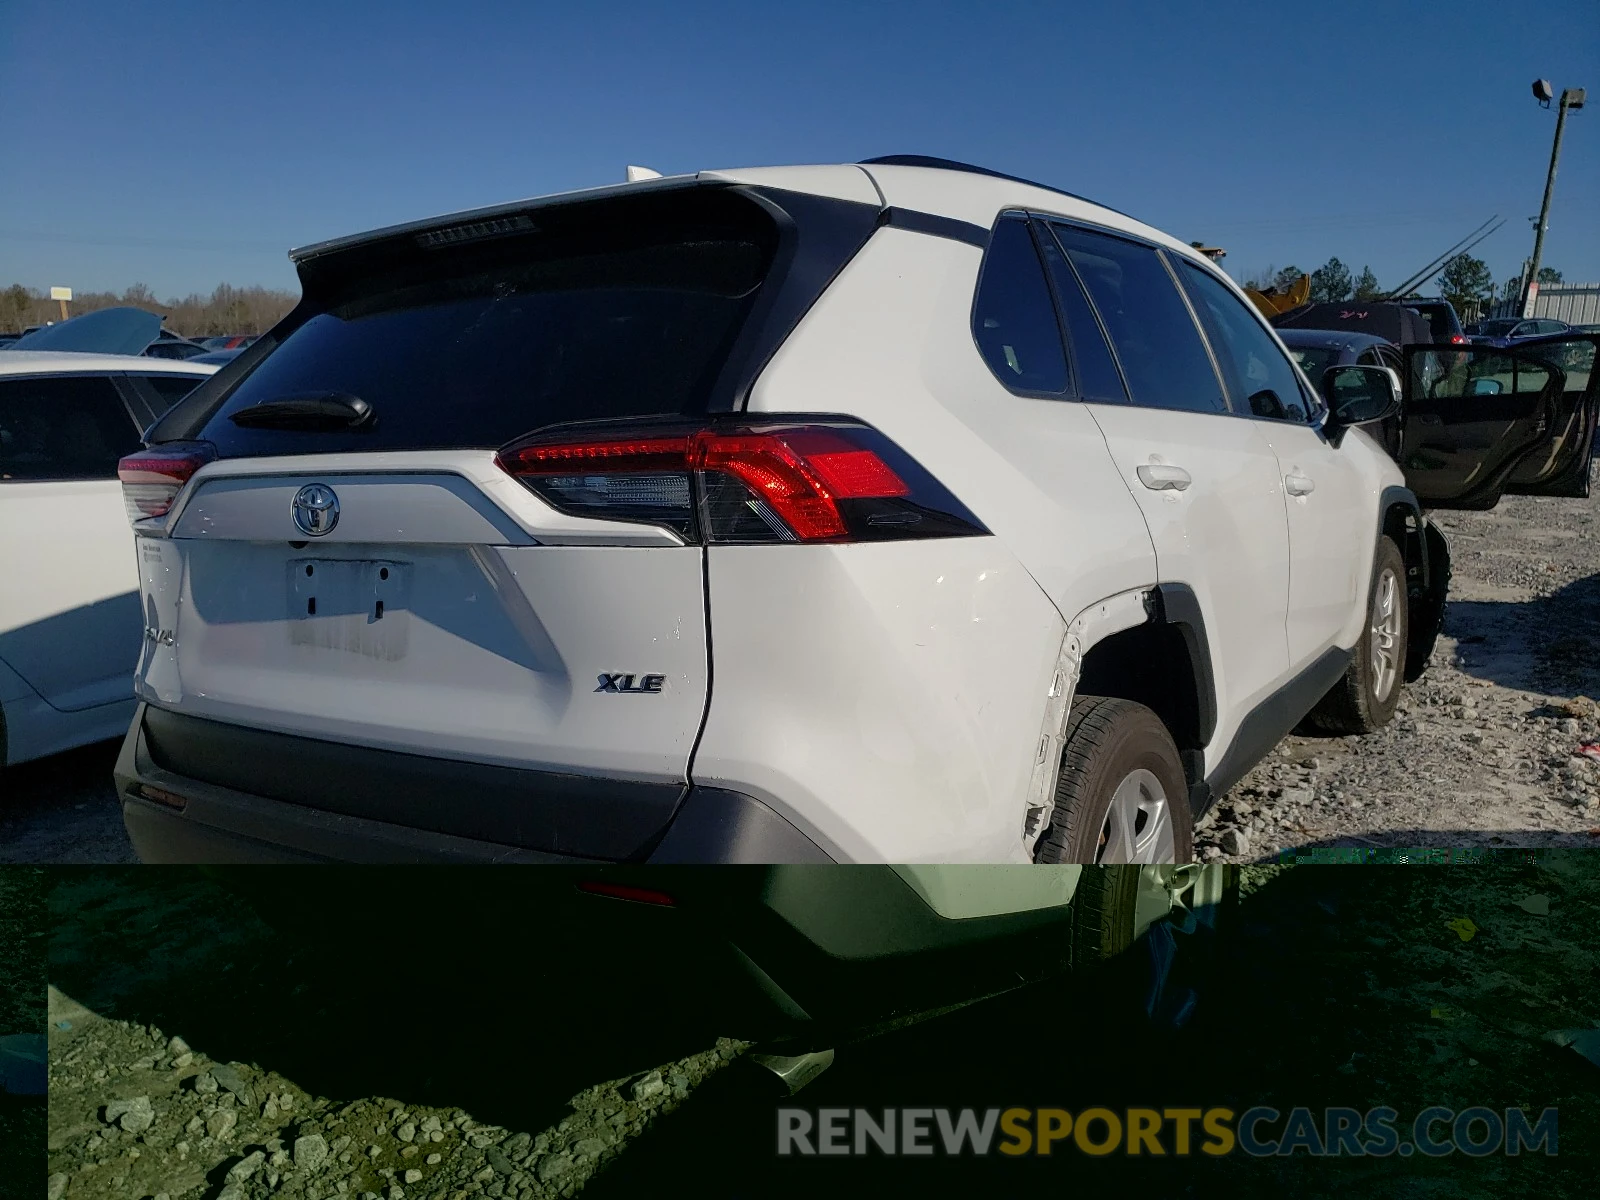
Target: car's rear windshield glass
{"x": 1438, "y": 318}
{"x": 1314, "y": 360}
{"x": 604, "y": 310}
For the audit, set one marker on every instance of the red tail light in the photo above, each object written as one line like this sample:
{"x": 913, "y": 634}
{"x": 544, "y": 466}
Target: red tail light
{"x": 623, "y": 891}
{"x": 754, "y": 479}
{"x": 152, "y": 479}
{"x": 1457, "y": 339}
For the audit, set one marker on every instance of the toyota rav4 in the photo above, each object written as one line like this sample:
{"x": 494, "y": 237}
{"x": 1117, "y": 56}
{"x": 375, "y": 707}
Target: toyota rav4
{"x": 898, "y": 511}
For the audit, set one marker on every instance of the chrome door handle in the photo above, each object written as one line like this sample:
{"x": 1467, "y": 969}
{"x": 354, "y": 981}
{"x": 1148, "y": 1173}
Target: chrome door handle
{"x": 1164, "y": 478}
{"x": 1299, "y": 485}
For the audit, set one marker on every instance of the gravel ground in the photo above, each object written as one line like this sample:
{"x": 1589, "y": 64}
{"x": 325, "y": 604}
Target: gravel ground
{"x": 63, "y": 809}
{"x": 1481, "y": 751}
{"x": 197, "y": 1054}
{"x": 195, "y": 1051}
{"x": 22, "y": 1003}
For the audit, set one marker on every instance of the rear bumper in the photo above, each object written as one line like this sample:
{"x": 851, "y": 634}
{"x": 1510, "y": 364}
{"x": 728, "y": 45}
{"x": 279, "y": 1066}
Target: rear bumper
{"x": 251, "y": 796}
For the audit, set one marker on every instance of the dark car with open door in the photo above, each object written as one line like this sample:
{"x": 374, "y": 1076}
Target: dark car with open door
{"x": 1481, "y": 422}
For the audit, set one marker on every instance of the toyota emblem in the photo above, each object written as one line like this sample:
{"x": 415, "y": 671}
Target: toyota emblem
{"x": 315, "y": 509}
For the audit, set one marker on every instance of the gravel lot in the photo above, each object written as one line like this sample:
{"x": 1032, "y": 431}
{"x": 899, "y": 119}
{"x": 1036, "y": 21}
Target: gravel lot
{"x": 1479, "y": 755}
{"x": 1481, "y": 751}
{"x": 195, "y": 1053}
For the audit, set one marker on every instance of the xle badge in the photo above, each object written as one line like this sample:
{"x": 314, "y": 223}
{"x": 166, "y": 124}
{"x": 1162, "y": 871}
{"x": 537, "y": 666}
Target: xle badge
{"x": 650, "y": 684}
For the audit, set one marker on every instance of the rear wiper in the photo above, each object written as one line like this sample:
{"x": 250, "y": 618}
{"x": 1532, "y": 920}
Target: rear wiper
{"x": 315, "y": 411}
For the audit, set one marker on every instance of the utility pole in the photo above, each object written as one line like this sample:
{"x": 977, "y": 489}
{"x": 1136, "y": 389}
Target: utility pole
{"x": 1570, "y": 98}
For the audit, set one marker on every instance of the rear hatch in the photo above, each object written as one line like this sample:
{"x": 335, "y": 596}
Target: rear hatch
{"x": 331, "y": 550}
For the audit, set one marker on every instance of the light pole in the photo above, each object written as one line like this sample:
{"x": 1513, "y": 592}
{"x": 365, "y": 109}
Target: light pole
{"x": 1570, "y": 98}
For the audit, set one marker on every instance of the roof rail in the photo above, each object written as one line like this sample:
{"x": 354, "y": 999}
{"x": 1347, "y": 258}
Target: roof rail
{"x": 950, "y": 164}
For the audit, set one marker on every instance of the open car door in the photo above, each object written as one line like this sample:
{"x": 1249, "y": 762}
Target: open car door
{"x": 1480, "y": 422}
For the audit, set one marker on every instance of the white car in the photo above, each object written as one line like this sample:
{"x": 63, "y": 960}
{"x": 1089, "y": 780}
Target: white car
{"x": 69, "y": 589}
{"x": 896, "y": 511}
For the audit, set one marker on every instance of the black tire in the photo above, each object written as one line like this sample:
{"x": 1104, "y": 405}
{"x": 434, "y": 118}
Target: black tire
{"x": 1103, "y": 912}
{"x": 1107, "y": 740}
{"x": 1133, "y": 991}
{"x": 1354, "y": 704}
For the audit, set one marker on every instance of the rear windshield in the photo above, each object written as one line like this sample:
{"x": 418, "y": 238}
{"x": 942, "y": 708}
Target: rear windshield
{"x": 1314, "y": 360}
{"x": 1439, "y": 318}
{"x": 617, "y": 309}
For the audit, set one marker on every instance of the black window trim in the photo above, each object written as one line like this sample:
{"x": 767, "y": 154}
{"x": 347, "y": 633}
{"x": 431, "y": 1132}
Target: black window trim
{"x": 1041, "y": 230}
{"x": 135, "y": 383}
{"x": 917, "y": 221}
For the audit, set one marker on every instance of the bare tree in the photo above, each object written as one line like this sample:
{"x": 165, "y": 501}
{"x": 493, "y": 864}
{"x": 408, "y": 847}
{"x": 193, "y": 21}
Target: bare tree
{"x": 227, "y": 310}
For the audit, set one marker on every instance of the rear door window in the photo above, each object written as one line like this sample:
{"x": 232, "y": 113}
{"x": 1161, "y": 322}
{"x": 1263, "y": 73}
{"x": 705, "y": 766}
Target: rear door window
{"x": 1154, "y": 335}
{"x": 1260, "y": 380}
{"x": 607, "y": 310}
{"x": 63, "y": 427}
{"x": 1013, "y": 317}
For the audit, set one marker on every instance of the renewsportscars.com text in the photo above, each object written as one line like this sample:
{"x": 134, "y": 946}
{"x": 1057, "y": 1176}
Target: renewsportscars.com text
{"x": 1259, "y": 1131}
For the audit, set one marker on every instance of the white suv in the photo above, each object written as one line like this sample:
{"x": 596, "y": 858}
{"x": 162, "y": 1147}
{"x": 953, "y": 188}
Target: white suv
{"x": 896, "y": 511}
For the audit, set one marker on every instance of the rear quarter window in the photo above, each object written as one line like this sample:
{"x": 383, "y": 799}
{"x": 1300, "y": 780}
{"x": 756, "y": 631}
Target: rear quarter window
{"x": 1014, "y": 317}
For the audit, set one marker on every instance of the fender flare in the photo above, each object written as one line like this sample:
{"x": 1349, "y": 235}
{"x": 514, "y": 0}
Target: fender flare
{"x": 1427, "y": 557}
{"x": 1392, "y": 497}
{"x": 1176, "y": 604}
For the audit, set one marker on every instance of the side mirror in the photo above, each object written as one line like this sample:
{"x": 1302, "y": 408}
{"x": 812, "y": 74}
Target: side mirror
{"x": 1360, "y": 395}
{"x": 1487, "y": 387}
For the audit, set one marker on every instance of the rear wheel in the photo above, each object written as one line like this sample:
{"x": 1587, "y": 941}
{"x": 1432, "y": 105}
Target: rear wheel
{"x": 1121, "y": 796}
{"x": 1366, "y": 697}
{"x": 1157, "y": 982}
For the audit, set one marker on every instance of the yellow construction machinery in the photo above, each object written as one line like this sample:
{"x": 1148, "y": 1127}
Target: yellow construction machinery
{"x": 1274, "y": 300}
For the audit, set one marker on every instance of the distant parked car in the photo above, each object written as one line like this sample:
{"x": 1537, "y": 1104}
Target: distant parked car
{"x": 1506, "y": 331}
{"x": 1442, "y": 320}
{"x": 236, "y": 342}
{"x": 1396, "y": 324}
{"x": 69, "y": 640}
{"x": 7, "y": 338}
{"x": 218, "y": 357}
{"x": 121, "y": 330}
{"x": 176, "y": 348}
{"x": 1315, "y": 350}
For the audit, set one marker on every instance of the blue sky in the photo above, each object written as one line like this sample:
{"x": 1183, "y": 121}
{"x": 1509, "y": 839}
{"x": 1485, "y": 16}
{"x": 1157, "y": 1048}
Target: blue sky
{"x": 186, "y": 144}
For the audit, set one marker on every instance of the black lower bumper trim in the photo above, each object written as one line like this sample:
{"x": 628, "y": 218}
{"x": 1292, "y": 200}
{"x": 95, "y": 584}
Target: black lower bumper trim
{"x": 247, "y": 795}
{"x": 718, "y": 826}
{"x": 547, "y": 811}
